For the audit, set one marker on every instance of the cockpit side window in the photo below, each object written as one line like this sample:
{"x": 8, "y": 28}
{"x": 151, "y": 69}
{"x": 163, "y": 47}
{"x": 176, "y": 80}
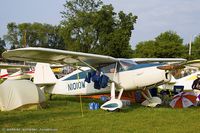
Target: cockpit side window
{"x": 108, "y": 68}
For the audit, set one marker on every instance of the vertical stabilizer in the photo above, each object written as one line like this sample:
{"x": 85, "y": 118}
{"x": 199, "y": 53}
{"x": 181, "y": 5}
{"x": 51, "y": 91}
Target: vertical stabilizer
{"x": 43, "y": 74}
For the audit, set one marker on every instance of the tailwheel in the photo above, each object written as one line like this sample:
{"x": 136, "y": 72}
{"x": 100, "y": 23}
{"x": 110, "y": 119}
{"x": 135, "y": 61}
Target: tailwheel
{"x": 151, "y": 101}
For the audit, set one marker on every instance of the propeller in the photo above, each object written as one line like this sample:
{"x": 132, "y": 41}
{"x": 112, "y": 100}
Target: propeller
{"x": 171, "y": 67}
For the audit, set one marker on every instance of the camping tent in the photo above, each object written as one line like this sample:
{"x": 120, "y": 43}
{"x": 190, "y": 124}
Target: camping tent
{"x": 19, "y": 93}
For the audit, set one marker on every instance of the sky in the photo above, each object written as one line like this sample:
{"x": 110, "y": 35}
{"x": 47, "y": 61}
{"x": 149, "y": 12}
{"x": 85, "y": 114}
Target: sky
{"x": 154, "y": 16}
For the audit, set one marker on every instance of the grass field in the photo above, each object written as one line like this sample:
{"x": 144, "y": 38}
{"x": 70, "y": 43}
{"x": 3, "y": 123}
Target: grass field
{"x": 63, "y": 115}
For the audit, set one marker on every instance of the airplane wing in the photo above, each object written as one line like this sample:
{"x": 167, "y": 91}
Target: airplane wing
{"x": 69, "y": 57}
{"x": 52, "y": 56}
{"x": 57, "y": 56}
{"x": 13, "y": 66}
{"x": 179, "y": 65}
{"x": 194, "y": 63}
{"x": 146, "y": 60}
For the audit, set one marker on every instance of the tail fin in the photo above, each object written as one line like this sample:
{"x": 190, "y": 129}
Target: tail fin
{"x": 3, "y": 73}
{"x": 43, "y": 74}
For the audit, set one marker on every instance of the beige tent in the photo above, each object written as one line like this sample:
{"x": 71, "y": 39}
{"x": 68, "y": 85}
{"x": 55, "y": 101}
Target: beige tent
{"x": 19, "y": 93}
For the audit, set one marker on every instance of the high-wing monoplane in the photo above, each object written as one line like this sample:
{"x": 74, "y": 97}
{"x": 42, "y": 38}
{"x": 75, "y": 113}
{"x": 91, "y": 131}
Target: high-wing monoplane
{"x": 123, "y": 74}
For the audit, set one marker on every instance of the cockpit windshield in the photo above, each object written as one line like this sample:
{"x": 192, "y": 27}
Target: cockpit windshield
{"x": 126, "y": 64}
{"x": 122, "y": 65}
{"x": 108, "y": 68}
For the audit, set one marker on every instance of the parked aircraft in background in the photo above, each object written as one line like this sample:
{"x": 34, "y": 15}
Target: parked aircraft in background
{"x": 23, "y": 71}
{"x": 185, "y": 82}
{"x": 123, "y": 74}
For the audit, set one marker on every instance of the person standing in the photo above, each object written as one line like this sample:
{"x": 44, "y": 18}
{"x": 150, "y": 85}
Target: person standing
{"x": 196, "y": 83}
{"x": 196, "y": 86}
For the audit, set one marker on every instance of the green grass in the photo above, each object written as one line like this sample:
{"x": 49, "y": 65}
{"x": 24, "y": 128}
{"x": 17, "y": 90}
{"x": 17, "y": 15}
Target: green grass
{"x": 63, "y": 115}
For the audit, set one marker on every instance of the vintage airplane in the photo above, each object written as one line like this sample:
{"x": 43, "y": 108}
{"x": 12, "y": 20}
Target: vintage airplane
{"x": 184, "y": 83}
{"x": 23, "y": 71}
{"x": 123, "y": 74}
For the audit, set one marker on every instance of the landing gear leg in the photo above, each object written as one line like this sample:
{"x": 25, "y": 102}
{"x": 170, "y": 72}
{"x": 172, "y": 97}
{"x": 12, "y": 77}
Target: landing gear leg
{"x": 113, "y": 104}
{"x": 150, "y": 101}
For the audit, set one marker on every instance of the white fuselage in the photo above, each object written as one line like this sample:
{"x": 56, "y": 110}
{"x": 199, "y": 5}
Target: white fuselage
{"x": 74, "y": 83}
{"x": 143, "y": 77}
{"x": 186, "y": 82}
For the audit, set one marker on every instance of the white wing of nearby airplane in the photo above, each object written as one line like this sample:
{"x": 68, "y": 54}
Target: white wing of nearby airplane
{"x": 126, "y": 74}
{"x": 13, "y": 66}
{"x": 22, "y": 73}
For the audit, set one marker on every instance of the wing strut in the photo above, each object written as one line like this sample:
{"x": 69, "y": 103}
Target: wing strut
{"x": 150, "y": 101}
{"x": 87, "y": 65}
{"x": 113, "y": 104}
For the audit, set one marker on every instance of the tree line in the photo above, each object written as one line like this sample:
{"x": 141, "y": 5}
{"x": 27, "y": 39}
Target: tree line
{"x": 91, "y": 26}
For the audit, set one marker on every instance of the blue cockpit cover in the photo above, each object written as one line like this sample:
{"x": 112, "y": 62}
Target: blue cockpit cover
{"x": 103, "y": 81}
{"x": 89, "y": 76}
{"x": 100, "y": 81}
